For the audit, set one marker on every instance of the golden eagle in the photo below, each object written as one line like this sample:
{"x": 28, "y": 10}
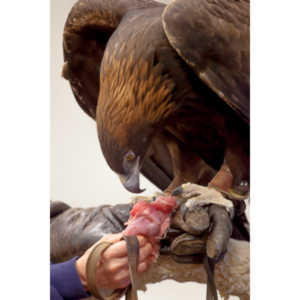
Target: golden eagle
{"x": 168, "y": 86}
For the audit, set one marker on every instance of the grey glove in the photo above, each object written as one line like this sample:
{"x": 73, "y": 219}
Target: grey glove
{"x": 205, "y": 217}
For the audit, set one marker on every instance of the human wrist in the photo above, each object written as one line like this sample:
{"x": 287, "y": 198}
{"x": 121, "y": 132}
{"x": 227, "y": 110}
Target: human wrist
{"x": 80, "y": 266}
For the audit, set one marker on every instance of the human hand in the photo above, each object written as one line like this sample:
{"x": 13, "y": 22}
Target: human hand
{"x": 113, "y": 272}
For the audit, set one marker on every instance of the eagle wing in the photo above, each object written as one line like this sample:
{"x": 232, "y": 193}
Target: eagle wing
{"x": 87, "y": 30}
{"x": 212, "y": 36}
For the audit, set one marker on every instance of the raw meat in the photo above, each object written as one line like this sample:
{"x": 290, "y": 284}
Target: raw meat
{"x": 151, "y": 219}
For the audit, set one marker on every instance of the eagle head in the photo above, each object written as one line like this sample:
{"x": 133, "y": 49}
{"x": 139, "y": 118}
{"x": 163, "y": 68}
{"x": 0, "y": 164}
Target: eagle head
{"x": 125, "y": 154}
{"x": 134, "y": 102}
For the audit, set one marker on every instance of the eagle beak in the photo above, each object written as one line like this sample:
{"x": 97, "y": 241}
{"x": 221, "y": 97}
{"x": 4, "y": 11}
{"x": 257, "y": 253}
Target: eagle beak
{"x": 131, "y": 182}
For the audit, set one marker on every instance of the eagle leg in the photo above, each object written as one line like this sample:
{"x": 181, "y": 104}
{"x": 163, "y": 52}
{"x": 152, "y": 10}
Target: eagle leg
{"x": 186, "y": 165}
{"x": 223, "y": 179}
{"x": 223, "y": 182}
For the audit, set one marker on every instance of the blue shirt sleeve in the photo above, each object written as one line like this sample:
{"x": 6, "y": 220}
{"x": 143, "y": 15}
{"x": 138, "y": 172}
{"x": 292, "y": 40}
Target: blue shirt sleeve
{"x": 65, "y": 283}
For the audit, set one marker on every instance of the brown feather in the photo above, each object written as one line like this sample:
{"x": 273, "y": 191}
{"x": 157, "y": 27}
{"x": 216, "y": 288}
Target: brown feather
{"x": 138, "y": 97}
{"x": 147, "y": 86}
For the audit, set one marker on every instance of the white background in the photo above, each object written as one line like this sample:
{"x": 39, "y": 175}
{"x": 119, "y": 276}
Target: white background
{"x": 25, "y": 150}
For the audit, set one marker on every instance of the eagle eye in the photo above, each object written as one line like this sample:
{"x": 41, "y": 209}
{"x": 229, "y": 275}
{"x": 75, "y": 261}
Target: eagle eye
{"x": 130, "y": 156}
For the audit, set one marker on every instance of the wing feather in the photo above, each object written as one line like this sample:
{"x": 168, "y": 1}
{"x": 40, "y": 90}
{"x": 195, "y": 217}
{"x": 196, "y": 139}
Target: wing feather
{"x": 212, "y": 36}
{"x": 87, "y": 30}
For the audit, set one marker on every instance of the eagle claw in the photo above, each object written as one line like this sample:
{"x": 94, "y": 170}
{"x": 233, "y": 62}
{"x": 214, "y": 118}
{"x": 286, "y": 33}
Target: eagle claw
{"x": 191, "y": 196}
{"x": 205, "y": 214}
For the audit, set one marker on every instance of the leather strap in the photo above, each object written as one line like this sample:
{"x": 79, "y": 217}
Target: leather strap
{"x": 132, "y": 245}
{"x": 91, "y": 268}
{"x": 133, "y": 250}
{"x": 211, "y": 291}
{"x": 133, "y": 260}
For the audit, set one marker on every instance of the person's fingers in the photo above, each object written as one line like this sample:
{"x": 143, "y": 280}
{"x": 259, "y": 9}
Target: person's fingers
{"x": 121, "y": 275}
{"x": 115, "y": 251}
{"x": 123, "y": 283}
{"x": 115, "y": 264}
{"x": 145, "y": 252}
{"x": 122, "y": 278}
{"x": 119, "y": 249}
{"x": 114, "y": 237}
{"x": 142, "y": 240}
{"x": 113, "y": 280}
{"x": 114, "y": 273}
{"x": 143, "y": 266}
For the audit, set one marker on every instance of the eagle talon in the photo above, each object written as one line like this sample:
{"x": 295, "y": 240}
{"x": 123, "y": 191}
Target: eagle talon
{"x": 212, "y": 240}
{"x": 190, "y": 195}
{"x": 177, "y": 191}
{"x": 183, "y": 211}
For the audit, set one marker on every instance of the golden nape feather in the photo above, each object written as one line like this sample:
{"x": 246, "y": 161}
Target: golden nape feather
{"x": 132, "y": 93}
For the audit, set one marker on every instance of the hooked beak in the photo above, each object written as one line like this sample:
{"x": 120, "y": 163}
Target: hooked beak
{"x": 131, "y": 182}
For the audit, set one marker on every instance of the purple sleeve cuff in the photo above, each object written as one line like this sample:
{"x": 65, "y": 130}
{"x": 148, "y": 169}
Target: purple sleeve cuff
{"x": 65, "y": 280}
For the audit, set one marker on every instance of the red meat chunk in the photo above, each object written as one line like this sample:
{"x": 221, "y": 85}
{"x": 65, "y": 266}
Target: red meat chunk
{"x": 151, "y": 219}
